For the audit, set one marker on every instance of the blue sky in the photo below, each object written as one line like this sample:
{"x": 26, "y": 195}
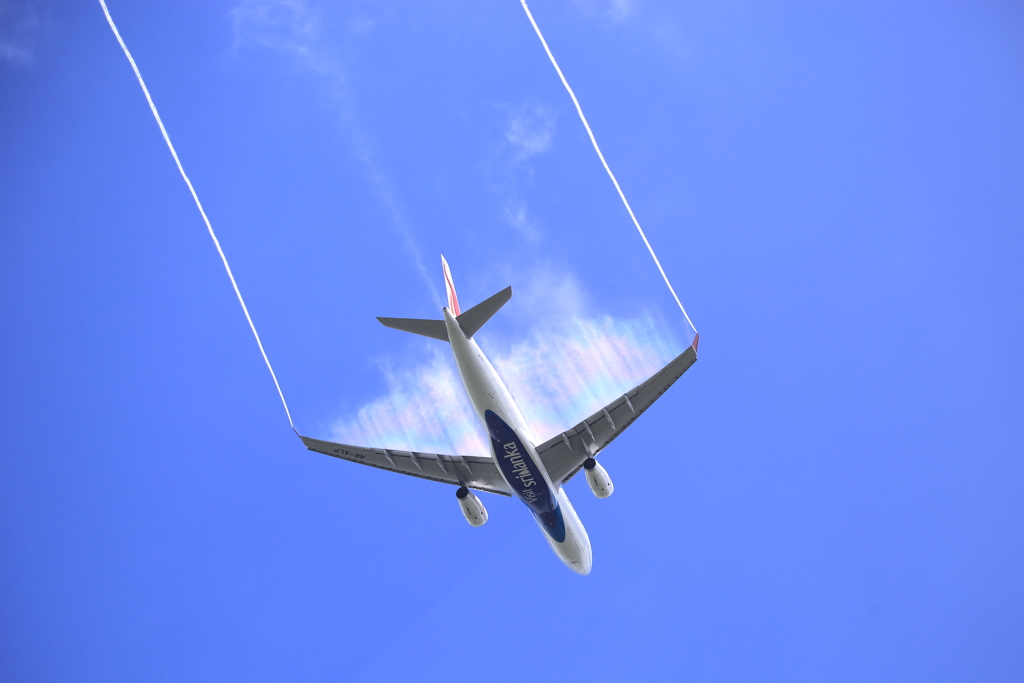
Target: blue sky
{"x": 833, "y": 492}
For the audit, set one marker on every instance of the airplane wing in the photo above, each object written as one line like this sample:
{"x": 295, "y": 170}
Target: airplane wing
{"x": 477, "y": 472}
{"x": 563, "y": 455}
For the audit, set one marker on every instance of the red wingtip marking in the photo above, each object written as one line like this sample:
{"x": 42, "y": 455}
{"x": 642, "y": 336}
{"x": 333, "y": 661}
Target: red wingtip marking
{"x": 696, "y": 338}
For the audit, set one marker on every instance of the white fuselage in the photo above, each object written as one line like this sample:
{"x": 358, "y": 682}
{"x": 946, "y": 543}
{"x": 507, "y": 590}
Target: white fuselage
{"x": 488, "y": 393}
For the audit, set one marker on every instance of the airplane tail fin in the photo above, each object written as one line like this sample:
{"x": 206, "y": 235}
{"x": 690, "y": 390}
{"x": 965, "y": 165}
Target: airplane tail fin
{"x": 471, "y": 321}
{"x": 449, "y": 287}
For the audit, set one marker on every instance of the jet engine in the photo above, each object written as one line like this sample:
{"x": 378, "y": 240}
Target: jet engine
{"x": 598, "y": 480}
{"x": 473, "y": 510}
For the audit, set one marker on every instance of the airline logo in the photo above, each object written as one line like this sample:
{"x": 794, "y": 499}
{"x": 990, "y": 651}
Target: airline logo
{"x": 521, "y": 471}
{"x": 523, "y": 475}
{"x": 449, "y": 286}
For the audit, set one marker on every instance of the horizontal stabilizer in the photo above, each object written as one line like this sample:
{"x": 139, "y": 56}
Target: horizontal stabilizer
{"x": 471, "y": 321}
{"x": 428, "y": 328}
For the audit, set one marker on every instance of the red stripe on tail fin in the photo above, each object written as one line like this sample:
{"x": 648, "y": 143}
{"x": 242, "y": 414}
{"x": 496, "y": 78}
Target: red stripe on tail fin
{"x": 449, "y": 286}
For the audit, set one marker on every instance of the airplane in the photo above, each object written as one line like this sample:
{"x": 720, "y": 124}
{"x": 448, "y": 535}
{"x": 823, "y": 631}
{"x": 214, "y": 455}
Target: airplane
{"x": 519, "y": 466}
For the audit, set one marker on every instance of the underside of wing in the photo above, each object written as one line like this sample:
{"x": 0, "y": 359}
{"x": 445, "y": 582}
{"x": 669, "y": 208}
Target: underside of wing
{"x": 476, "y": 472}
{"x": 563, "y": 455}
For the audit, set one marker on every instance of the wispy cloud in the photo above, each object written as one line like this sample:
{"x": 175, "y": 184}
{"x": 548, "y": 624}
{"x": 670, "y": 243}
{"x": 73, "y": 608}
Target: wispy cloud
{"x": 529, "y": 130}
{"x": 425, "y": 409}
{"x": 560, "y": 375}
{"x": 565, "y": 367}
{"x": 285, "y": 25}
{"x": 297, "y": 28}
{"x": 362, "y": 25}
{"x": 13, "y": 53}
{"x": 516, "y": 213}
{"x": 616, "y": 10}
{"x": 21, "y": 22}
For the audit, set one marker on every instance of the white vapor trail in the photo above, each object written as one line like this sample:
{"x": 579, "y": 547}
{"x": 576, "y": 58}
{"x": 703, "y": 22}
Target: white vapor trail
{"x": 611, "y": 175}
{"x": 206, "y": 220}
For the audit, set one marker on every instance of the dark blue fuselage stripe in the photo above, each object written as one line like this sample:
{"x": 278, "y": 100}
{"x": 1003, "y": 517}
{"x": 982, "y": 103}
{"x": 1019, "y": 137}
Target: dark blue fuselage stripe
{"x": 524, "y": 475}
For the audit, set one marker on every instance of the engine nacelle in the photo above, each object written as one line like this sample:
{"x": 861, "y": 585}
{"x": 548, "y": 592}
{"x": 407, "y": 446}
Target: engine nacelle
{"x": 598, "y": 480}
{"x": 473, "y": 510}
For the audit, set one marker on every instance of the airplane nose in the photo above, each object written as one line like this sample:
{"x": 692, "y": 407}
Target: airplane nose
{"x": 581, "y": 568}
{"x": 582, "y": 560}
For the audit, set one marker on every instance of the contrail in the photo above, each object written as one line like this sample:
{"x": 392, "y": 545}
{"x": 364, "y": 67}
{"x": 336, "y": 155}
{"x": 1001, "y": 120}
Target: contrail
{"x": 611, "y": 175}
{"x": 206, "y": 220}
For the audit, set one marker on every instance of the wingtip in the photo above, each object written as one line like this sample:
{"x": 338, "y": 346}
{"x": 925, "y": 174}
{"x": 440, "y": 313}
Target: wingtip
{"x": 696, "y": 338}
